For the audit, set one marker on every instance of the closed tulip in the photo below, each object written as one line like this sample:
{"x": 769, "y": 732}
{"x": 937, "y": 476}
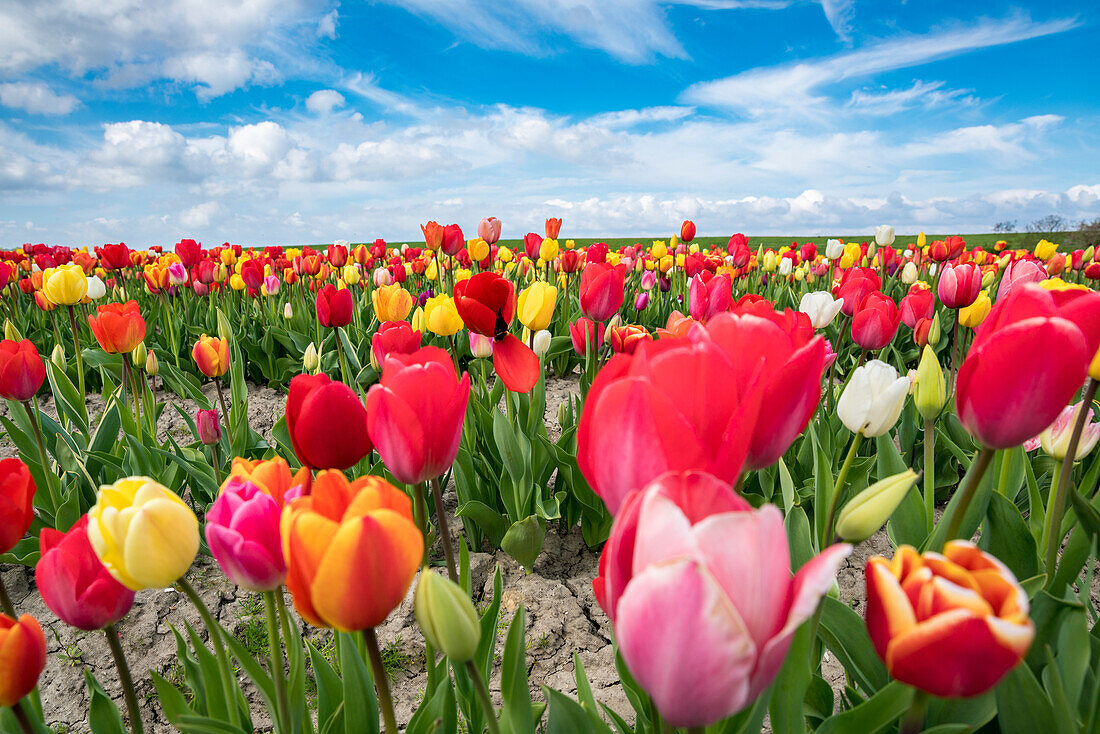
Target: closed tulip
{"x": 447, "y": 616}
{"x": 453, "y": 240}
{"x": 433, "y": 235}
{"x": 393, "y": 337}
{"x": 875, "y": 322}
{"x": 856, "y": 284}
{"x": 960, "y": 285}
{"x": 602, "y": 290}
{"x": 206, "y": 422}
{"x": 1028, "y": 359}
{"x": 211, "y": 355}
{"x": 535, "y": 307}
{"x": 23, "y": 651}
{"x": 118, "y": 327}
{"x": 21, "y": 370}
{"x": 481, "y": 347}
{"x": 334, "y": 306}
{"x": 973, "y": 315}
{"x": 489, "y": 230}
{"x": 873, "y": 399}
{"x": 391, "y": 302}
{"x": 700, "y": 590}
{"x": 242, "y": 530}
{"x": 586, "y": 334}
{"x": 917, "y": 304}
{"x": 478, "y": 249}
{"x": 351, "y": 550}
{"x": 884, "y": 235}
{"x": 65, "y": 285}
{"x": 707, "y": 299}
{"x": 553, "y": 227}
{"x": 441, "y": 316}
{"x": 950, "y": 624}
{"x": 16, "y": 502}
{"x": 74, "y": 583}
{"x": 821, "y": 307}
{"x": 1017, "y": 274}
{"x": 869, "y": 510}
{"x": 929, "y": 387}
{"x": 144, "y": 534}
{"x": 314, "y": 405}
{"x": 486, "y": 303}
{"x": 273, "y": 476}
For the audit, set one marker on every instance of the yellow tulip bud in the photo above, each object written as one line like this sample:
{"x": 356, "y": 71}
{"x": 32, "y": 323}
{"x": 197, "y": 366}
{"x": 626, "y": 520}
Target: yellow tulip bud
{"x": 11, "y": 332}
{"x": 432, "y": 271}
{"x": 57, "y": 356}
{"x": 869, "y": 510}
{"x": 350, "y": 274}
{"x": 152, "y": 366}
{"x": 770, "y": 261}
{"x": 418, "y": 320}
{"x": 548, "y": 250}
{"x": 447, "y": 616}
{"x": 930, "y": 388}
{"x": 441, "y": 316}
{"x": 536, "y": 305}
{"x": 921, "y": 240}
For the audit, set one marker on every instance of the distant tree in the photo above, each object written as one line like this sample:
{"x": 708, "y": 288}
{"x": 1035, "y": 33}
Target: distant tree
{"x": 1005, "y": 226}
{"x": 1088, "y": 233}
{"x": 1048, "y": 224}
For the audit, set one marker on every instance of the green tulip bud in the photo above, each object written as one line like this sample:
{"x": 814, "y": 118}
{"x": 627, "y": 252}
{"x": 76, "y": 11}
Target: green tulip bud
{"x": 929, "y": 388}
{"x": 1089, "y": 254}
{"x": 870, "y": 509}
{"x": 447, "y": 616}
{"x": 936, "y": 330}
{"x": 225, "y": 331}
{"x": 10, "y": 332}
{"x": 152, "y": 366}
{"x": 311, "y": 360}
{"x": 57, "y": 356}
{"x": 139, "y": 355}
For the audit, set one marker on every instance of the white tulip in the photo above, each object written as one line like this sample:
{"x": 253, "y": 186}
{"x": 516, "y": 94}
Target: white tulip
{"x": 834, "y": 249}
{"x": 288, "y": 311}
{"x": 96, "y": 288}
{"x": 821, "y": 307}
{"x": 785, "y": 266}
{"x": 909, "y": 273}
{"x": 540, "y": 343}
{"x": 873, "y": 399}
{"x": 884, "y": 235}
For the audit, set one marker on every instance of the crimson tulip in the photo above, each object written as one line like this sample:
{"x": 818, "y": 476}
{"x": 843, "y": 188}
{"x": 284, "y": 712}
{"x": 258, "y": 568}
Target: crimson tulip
{"x": 687, "y": 230}
{"x": 875, "y": 321}
{"x": 855, "y": 285}
{"x": 531, "y": 244}
{"x": 393, "y": 337}
{"x": 586, "y": 333}
{"x": 602, "y": 289}
{"x": 917, "y": 304}
{"x": 415, "y": 414}
{"x": 453, "y": 240}
{"x": 21, "y": 370}
{"x": 16, "y": 502}
{"x": 189, "y": 252}
{"x": 1028, "y": 359}
{"x": 334, "y": 306}
{"x": 486, "y": 303}
{"x": 75, "y": 584}
{"x": 327, "y": 423}
{"x": 706, "y": 299}
{"x": 960, "y": 285}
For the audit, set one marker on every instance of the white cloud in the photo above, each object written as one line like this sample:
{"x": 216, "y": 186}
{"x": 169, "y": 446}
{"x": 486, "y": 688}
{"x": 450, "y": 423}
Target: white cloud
{"x": 324, "y": 101}
{"x": 884, "y": 102}
{"x": 199, "y": 216}
{"x": 36, "y": 98}
{"x": 326, "y": 27}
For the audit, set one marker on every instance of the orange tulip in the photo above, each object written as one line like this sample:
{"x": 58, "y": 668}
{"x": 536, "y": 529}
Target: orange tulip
{"x": 951, "y": 624}
{"x": 118, "y": 327}
{"x": 211, "y": 354}
{"x": 273, "y": 477}
{"x": 351, "y": 551}
{"x": 23, "y": 652}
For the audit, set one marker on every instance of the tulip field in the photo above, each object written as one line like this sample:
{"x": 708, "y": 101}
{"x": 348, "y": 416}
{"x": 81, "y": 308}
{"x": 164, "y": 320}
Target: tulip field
{"x": 468, "y": 486}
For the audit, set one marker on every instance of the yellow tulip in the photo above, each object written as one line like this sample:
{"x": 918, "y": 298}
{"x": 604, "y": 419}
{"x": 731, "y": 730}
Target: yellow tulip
{"x": 350, "y": 274}
{"x": 391, "y": 302}
{"x": 548, "y": 250}
{"x": 536, "y": 305}
{"x": 65, "y": 285}
{"x": 431, "y": 272}
{"x": 417, "y": 321}
{"x": 236, "y": 282}
{"x": 770, "y": 262}
{"x": 144, "y": 534}
{"x": 570, "y": 244}
{"x": 921, "y": 240}
{"x": 504, "y": 255}
{"x": 478, "y": 249}
{"x": 441, "y": 316}
{"x": 666, "y": 263}
{"x": 1045, "y": 249}
{"x": 228, "y": 257}
{"x": 974, "y": 314}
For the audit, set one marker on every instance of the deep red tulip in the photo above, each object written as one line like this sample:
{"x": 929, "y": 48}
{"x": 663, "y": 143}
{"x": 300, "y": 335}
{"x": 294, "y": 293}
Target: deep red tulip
{"x": 602, "y": 290}
{"x": 393, "y": 337}
{"x": 452, "y": 239}
{"x": 114, "y": 257}
{"x": 855, "y": 284}
{"x": 415, "y": 413}
{"x": 73, "y": 582}
{"x": 206, "y": 272}
{"x": 596, "y": 252}
{"x": 917, "y": 304}
{"x": 252, "y": 273}
{"x": 531, "y": 244}
{"x": 875, "y": 321}
{"x": 334, "y": 306}
{"x": 327, "y": 423}
{"x": 21, "y": 370}
{"x": 486, "y": 303}
{"x": 189, "y": 252}
{"x": 960, "y": 285}
{"x": 1029, "y": 357}
{"x": 337, "y": 255}
{"x": 16, "y": 502}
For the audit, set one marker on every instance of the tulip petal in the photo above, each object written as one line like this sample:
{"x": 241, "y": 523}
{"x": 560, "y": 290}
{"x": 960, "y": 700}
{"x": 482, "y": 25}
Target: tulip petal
{"x": 889, "y": 611}
{"x": 515, "y": 363}
{"x": 396, "y": 431}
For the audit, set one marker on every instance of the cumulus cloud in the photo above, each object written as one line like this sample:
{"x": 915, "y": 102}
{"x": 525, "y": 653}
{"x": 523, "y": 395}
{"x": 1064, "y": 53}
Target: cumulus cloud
{"x": 324, "y": 101}
{"x": 36, "y": 98}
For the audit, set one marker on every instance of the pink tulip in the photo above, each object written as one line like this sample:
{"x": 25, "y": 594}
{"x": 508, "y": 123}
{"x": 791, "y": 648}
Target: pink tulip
{"x": 960, "y": 285}
{"x": 242, "y": 530}
{"x": 641, "y": 301}
{"x": 272, "y": 284}
{"x": 649, "y": 280}
{"x": 210, "y": 432}
{"x": 489, "y": 230}
{"x": 706, "y": 299}
{"x": 1018, "y": 273}
{"x": 709, "y": 607}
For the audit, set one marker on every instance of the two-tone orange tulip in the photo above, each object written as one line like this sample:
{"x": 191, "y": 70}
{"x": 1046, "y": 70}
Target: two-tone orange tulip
{"x": 351, "y": 549}
{"x": 273, "y": 477}
{"x": 211, "y": 354}
{"x": 23, "y": 651}
{"x": 118, "y": 327}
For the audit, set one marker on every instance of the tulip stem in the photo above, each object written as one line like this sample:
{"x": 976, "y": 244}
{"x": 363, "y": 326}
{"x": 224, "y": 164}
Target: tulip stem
{"x": 340, "y": 354}
{"x": 483, "y": 697}
{"x": 929, "y": 474}
{"x": 216, "y": 463}
{"x": 381, "y": 681}
{"x": 225, "y": 413}
{"x": 838, "y": 488}
{"x": 1057, "y": 505}
{"x": 125, "y": 679}
{"x": 21, "y": 716}
{"x": 967, "y": 491}
{"x": 444, "y": 531}
{"x": 79, "y": 356}
{"x": 214, "y": 630}
{"x": 277, "y": 671}
{"x": 47, "y": 470}
{"x": 5, "y": 601}
{"x": 913, "y": 721}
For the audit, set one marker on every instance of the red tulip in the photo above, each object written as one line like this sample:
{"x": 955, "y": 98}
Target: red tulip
{"x": 337, "y": 255}
{"x": 73, "y": 582}
{"x": 327, "y": 423}
{"x": 570, "y": 261}
{"x": 16, "y": 502}
{"x": 707, "y": 299}
{"x": 487, "y": 304}
{"x": 453, "y": 240}
{"x": 917, "y": 304}
{"x": 415, "y": 414}
{"x": 21, "y": 370}
{"x": 118, "y": 327}
{"x": 114, "y": 257}
{"x": 960, "y": 285}
{"x": 252, "y": 273}
{"x": 1029, "y": 357}
{"x": 584, "y": 333}
{"x": 393, "y": 337}
{"x": 687, "y": 230}
{"x": 553, "y": 226}
{"x": 23, "y": 652}
{"x": 334, "y": 306}
{"x": 433, "y": 235}
{"x": 627, "y": 339}
{"x": 602, "y": 290}
{"x": 673, "y": 405}
{"x": 875, "y": 321}
{"x": 947, "y": 249}
{"x": 855, "y": 284}
{"x": 189, "y": 252}
{"x": 531, "y": 244}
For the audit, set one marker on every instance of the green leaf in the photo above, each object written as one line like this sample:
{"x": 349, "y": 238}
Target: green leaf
{"x": 329, "y": 692}
{"x": 845, "y": 633}
{"x": 791, "y": 684}
{"x": 518, "y": 715}
{"x": 798, "y": 537}
{"x": 523, "y": 541}
{"x": 103, "y": 715}
{"x": 360, "y": 702}
{"x": 1007, "y": 537}
{"x": 504, "y": 435}
{"x": 874, "y": 714}
{"x": 1022, "y": 707}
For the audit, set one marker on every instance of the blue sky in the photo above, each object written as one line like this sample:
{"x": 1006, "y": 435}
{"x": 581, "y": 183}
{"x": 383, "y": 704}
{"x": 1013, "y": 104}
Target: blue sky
{"x": 288, "y": 121}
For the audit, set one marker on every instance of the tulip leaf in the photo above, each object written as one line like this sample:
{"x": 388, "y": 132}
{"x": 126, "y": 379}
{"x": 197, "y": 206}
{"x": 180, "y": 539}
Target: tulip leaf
{"x": 504, "y": 435}
{"x": 789, "y": 691}
{"x": 798, "y": 537}
{"x": 103, "y": 715}
{"x": 67, "y": 397}
{"x": 973, "y": 513}
{"x": 845, "y": 634}
{"x": 488, "y": 520}
{"x": 435, "y": 713}
{"x": 172, "y": 702}
{"x": 567, "y": 716}
{"x": 1022, "y": 706}
{"x": 874, "y": 714}
{"x": 329, "y": 691}
{"x": 518, "y": 715}
{"x": 523, "y": 541}
{"x": 1006, "y": 536}
{"x": 786, "y": 484}
{"x": 360, "y": 702}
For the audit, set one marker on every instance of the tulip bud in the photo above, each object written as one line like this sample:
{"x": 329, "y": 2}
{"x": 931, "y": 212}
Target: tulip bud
{"x": 1089, "y": 253}
{"x": 869, "y": 510}
{"x": 884, "y": 235}
{"x": 909, "y": 273}
{"x": 311, "y": 360}
{"x": 152, "y": 366}
{"x": 210, "y": 432}
{"x": 57, "y": 356}
{"x": 139, "y": 355}
{"x": 225, "y": 331}
{"x": 613, "y": 323}
{"x": 936, "y": 331}
{"x": 873, "y": 399}
{"x": 11, "y": 333}
{"x": 929, "y": 388}
{"x": 288, "y": 311}
{"x": 447, "y": 616}
{"x": 834, "y": 249}
{"x": 1056, "y": 437}
{"x": 540, "y": 343}
{"x": 481, "y": 346}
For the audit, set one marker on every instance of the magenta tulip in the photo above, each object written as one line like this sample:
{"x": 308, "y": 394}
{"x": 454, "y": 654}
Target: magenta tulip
{"x": 242, "y": 530}
{"x": 960, "y": 285}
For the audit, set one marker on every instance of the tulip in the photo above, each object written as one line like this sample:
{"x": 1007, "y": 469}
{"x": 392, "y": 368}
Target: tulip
{"x": 1017, "y": 274}
{"x": 57, "y": 356}
{"x": 433, "y": 235}
{"x": 481, "y": 347}
{"x": 929, "y": 387}
{"x": 540, "y": 343}
{"x": 869, "y": 510}
{"x": 144, "y": 534}
{"x": 602, "y": 290}
{"x": 960, "y": 285}
{"x": 627, "y": 339}
{"x": 447, "y": 616}
{"x": 21, "y": 370}
{"x": 973, "y": 315}
{"x": 288, "y": 311}
{"x": 856, "y": 285}
{"x": 909, "y": 273}
{"x": 821, "y": 307}
{"x": 884, "y": 235}
{"x": 391, "y": 302}
{"x": 707, "y": 299}
{"x": 641, "y": 301}
{"x": 96, "y": 288}
{"x": 382, "y": 277}
{"x": 1028, "y": 359}
{"x": 334, "y": 306}
{"x": 687, "y": 230}
{"x": 210, "y": 433}
{"x": 314, "y": 405}
{"x": 1056, "y": 437}
{"x": 23, "y": 651}
{"x": 950, "y": 624}
{"x": 211, "y": 355}
{"x": 242, "y": 530}
{"x": 351, "y": 550}
{"x": 452, "y": 239}
{"x": 489, "y": 230}
{"x": 700, "y": 591}
{"x": 917, "y": 304}
{"x": 273, "y": 477}
{"x": 553, "y": 227}
{"x": 486, "y": 303}
{"x": 311, "y": 359}
{"x": 586, "y": 333}
{"x": 393, "y": 337}
{"x": 535, "y": 307}
{"x": 152, "y": 366}
{"x": 873, "y": 399}
{"x": 74, "y": 583}
{"x": 118, "y": 327}
{"x": 875, "y": 322}
{"x": 66, "y": 285}
{"x": 17, "y": 490}
{"x": 834, "y": 249}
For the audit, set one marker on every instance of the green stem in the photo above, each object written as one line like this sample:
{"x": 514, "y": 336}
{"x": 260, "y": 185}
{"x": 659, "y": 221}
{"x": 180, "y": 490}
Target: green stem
{"x": 838, "y": 487}
{"x": 420, "y": 516}
{"x": 216, "y": 464}
{"x": 967, "y": 491}
{"x": 483, "y": 697}
{"x": 214, "y": 630}
{"x": 444, "y": 531}
{"x": 79, "y": 356}
{"x": 929, "y": 474}
{"x": 21, "y": 716}
{"x": 277, "y": 670}
{"x": 913, "y": 721}
{"x": 225, "y": 413}
{"x": 340, "y": 354}
{"x": 381, "y": 680}
{"x": 125, "y": 679}
{"x": 47, "y": 470}
{"x": 1002, "y": 479}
